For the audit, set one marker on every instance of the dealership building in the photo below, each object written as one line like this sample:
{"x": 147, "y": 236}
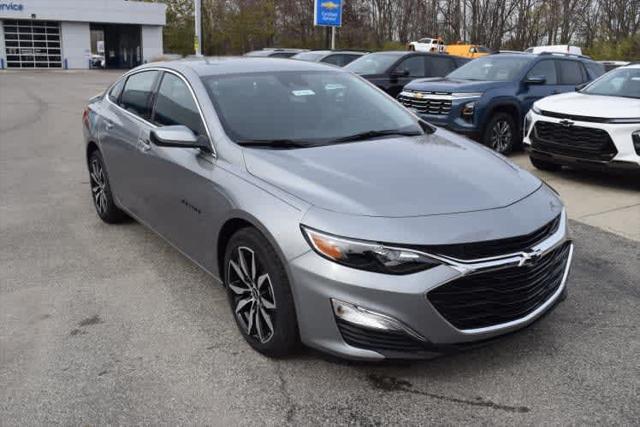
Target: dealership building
{"x": 79, "y": 33}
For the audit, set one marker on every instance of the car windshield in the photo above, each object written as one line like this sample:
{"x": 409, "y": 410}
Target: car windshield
{"x": 304, "y": 108}
{"x": 491, "y": 68}
{"x": 620, "y": 82}
{"x": 375, "y": 63}
{"x": 309, "y": 56}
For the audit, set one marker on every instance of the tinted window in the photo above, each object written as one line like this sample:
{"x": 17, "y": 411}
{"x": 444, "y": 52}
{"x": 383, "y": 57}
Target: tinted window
{"x": 175, "y": 105}
{"x": 546, "y": 69}
{"x": 439, "y": 66}
{"x": 137, "y": 92}
{"x": 116, "y": 90}
{"x": 313, "y": 107}
{"x": 374, "y": 63}
{"x": 334, "y": 59}
{"x": 492, "y": 68}
{"x": 347, "y": 59}
{"x": 413, "y": 65}
{"x": 595, "y": 68}
{"x": 571, "y": 73}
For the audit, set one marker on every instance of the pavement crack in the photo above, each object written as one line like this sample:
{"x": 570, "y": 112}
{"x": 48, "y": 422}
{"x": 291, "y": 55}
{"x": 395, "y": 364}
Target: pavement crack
{"x": 292, "y": 408}
{"x": 392, "y": 384}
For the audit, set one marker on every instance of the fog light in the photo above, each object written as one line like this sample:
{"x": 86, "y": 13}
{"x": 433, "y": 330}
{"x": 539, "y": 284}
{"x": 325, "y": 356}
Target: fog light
{"x": 369, "y": 319}
{"x": 636, "y": 141}
{"x": 468, "y": 109}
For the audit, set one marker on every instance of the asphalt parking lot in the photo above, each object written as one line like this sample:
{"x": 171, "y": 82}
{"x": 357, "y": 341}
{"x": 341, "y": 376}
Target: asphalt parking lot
{"x": 110, "y": 325}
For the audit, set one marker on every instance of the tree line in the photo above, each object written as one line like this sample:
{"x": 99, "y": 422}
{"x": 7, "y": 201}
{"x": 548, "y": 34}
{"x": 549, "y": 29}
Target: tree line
{"x": 605, "y": 29}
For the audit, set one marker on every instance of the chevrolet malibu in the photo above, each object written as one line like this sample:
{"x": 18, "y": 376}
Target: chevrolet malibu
{"x": 333, "y": 216}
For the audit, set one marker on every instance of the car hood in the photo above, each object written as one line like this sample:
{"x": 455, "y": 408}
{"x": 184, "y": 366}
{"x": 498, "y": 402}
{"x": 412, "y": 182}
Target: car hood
{"x": 395, "y": 177}
{"x": 580, "y": 104}
{"x": 444, "y": 84}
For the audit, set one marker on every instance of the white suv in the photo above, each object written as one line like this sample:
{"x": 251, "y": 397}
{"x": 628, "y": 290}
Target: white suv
{"x": 597, "y": 126}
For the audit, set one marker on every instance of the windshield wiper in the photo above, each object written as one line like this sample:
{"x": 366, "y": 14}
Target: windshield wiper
{"x": 275, "y": 143}
{"x": 376, "y": 133}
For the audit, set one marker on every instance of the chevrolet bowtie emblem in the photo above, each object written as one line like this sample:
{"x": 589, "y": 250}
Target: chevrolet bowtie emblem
{"x": 566, "y": 123}
{"x": 528, "y": 259}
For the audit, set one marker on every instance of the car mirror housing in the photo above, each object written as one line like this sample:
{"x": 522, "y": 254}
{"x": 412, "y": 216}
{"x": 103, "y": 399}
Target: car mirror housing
{"x": 178, "y": 136}
{"x": 535, "y": 80}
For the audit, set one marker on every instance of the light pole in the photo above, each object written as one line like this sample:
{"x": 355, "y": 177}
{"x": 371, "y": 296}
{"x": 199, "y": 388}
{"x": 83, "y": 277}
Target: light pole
{"x": 198, "y": 18}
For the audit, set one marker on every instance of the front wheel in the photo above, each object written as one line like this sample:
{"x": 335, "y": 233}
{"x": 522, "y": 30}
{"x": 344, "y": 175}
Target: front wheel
{"x": 500, "y": 133}
{"x": 260, "y": 295}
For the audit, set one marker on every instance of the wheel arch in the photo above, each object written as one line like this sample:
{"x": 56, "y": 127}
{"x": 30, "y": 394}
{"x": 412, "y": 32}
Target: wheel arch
{"x": 511, "y": 108}
{"x": 92, "y": 147}
{"x": 235, "y": 222}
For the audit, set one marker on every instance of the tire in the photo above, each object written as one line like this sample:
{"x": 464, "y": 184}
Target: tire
{"x": 501, "y": 133}
{"x": 544, "y": 165}
{"x": 260, "y": 295}
{"x": 412, "y": 48}
{"x": 101, "y": 193}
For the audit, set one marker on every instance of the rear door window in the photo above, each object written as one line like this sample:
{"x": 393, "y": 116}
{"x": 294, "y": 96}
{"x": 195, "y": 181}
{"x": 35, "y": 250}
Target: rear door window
{"x": 116, "y": 90}
{"x": 570, "y": 73}
{"x": 137, "y": 93}
{"x": 438, "y": 66}
{"x": 175, "y": 105}
{"x": 546, "y": 69}
{"x": 414, "y": 65}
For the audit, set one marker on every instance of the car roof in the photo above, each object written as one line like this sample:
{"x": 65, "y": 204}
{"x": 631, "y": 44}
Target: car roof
{"x": 210, "y": 66}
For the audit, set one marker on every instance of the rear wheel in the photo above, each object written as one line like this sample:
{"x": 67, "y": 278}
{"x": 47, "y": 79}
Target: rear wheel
{"x": 101, "y": 191}
{"x": 260, "y": 295}
{"x": 501, "y": 133}
{"x": 545, "y": 165}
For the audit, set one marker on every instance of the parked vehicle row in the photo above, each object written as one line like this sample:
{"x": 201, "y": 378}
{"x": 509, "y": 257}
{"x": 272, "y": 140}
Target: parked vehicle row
{"x": 332, "y": 215}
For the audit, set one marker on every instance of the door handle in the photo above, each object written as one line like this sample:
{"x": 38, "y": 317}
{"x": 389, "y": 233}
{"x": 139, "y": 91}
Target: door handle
{"x": 144, "y": 145}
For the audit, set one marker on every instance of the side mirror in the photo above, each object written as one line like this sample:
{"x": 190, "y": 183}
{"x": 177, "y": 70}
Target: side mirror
{"x": 536, "y": 80}
{"x": 581, "y": 86}
{"x": 178, "y": 136}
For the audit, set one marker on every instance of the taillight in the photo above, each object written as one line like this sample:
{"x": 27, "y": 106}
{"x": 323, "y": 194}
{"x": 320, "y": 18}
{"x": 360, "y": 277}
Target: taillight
{"x": 85, "y": 117}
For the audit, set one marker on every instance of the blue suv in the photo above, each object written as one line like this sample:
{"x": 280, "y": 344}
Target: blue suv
{"x": 488, "y": 97}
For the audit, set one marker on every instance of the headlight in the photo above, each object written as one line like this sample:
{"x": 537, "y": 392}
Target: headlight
{"x": 465, "y": 95}
{"x": 535, "y": 109}
{"x": 368, "y": 256}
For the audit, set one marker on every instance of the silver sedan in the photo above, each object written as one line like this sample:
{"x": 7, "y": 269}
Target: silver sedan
{"x": 333, "y": 216}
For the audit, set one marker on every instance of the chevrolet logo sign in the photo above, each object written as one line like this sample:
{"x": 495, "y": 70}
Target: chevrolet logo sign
{"x": 566, "y": 123}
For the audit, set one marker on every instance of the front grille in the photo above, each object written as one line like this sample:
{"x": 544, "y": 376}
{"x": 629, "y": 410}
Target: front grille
{"x": 379, "y": 340}
{"x": 430, "y": 103}
{"x": 492, "y": 248}
{"x": 574, "y": 141}
{"x": 499, "y": 296}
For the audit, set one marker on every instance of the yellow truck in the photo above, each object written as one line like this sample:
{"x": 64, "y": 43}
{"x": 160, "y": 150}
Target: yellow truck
{"x": 467, "y": 50}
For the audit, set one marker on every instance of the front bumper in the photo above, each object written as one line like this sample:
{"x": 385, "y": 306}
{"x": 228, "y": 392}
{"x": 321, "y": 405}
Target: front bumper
{"x": 624, "y": 159}
{"x": 318, "y": 281}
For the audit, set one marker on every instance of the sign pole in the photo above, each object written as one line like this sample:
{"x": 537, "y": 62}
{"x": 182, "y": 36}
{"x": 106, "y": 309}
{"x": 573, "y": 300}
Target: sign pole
{"x": 333, "y": 38}
{"x": 198, "y": 18}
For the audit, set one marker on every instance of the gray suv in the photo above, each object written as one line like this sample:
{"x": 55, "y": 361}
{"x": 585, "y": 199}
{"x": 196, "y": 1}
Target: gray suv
{"x": 331, "y": 214}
